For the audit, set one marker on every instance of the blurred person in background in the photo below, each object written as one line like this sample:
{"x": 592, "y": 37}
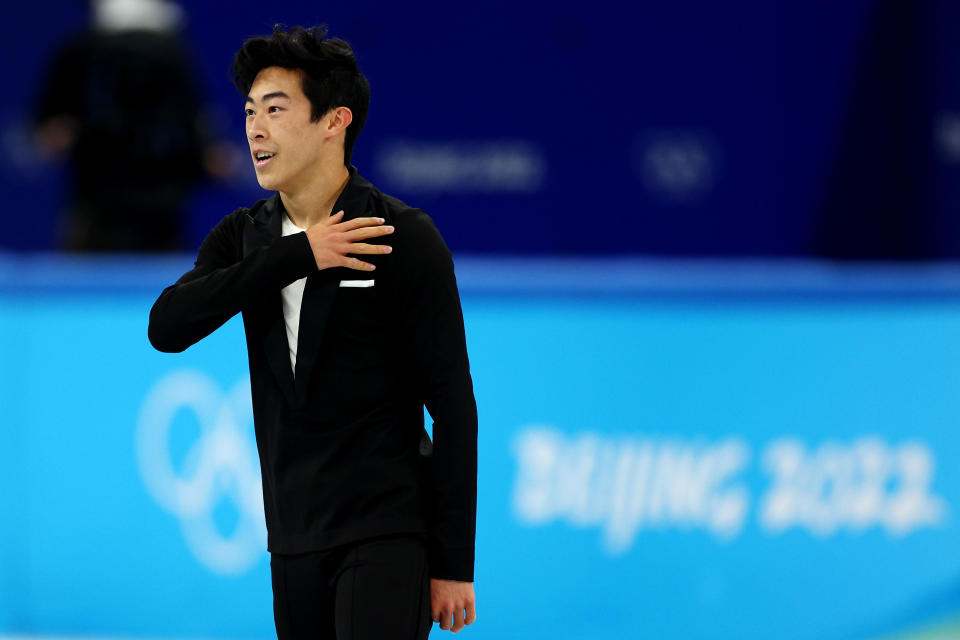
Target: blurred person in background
{"x": 371, "y": 525}
{"x": 120, "y": 103}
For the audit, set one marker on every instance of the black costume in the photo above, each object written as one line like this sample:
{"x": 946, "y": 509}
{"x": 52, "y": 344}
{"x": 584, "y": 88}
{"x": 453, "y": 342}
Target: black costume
{"x": 343, "y": 449}
{"x": 377, "y": 589}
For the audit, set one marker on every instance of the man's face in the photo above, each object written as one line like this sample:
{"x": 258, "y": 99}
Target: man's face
{"x": 284, "y": 144}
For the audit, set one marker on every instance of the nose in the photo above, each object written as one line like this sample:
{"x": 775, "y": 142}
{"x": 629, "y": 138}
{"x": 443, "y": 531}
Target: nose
{"x": 255, "y": 128}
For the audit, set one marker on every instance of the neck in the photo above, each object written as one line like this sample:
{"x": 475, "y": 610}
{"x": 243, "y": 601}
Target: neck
{"x": 314, "y": 201}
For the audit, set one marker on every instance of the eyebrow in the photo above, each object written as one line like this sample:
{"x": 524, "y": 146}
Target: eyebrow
{"x": 269, "y": 96}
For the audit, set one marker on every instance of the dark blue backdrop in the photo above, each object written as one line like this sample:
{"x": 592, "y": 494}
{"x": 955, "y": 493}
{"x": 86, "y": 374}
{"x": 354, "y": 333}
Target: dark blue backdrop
{"x": 691, "y": 127}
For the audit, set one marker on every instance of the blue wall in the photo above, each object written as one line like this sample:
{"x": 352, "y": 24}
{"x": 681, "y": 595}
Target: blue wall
{"x": 690, "y": 127}
{"x": 667, "y": 450}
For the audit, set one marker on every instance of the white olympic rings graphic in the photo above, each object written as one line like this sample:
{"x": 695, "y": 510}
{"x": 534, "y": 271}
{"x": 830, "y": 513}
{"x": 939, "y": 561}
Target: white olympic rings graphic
{"x": 220, "y": 465}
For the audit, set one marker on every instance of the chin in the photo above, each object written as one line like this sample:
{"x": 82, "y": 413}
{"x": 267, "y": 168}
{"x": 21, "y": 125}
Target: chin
{"x": 267, "y": 183}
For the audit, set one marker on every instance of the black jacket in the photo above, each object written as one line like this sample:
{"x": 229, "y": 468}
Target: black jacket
{"x": 343, "y": 450}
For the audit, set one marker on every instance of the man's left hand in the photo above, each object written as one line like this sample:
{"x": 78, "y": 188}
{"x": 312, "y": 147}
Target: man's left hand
{"x": 452, "y": 599}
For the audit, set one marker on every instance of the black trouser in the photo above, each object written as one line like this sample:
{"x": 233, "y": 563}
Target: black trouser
{"x": 377, "y": 588}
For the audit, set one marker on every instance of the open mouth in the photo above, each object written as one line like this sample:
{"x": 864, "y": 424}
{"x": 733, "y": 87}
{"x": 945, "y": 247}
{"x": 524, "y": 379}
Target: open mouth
{"x": 261, "y": 158}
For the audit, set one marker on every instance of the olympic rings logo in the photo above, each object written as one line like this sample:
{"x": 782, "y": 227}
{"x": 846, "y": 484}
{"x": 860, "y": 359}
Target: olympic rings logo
{"x": 221, "y": 464}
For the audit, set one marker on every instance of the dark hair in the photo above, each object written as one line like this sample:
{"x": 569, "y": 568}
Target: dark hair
{"x": 331, "y": 77}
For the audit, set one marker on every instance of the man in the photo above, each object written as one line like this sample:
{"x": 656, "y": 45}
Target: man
{"x": 370, "y": 525}
{"x": 120, "y": 102}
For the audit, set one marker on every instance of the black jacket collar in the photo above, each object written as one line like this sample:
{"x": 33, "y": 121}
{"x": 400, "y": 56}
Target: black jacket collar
{"x": 352, "y": 200}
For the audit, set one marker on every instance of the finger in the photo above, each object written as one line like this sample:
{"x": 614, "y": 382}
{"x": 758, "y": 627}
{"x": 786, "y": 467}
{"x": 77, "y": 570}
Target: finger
{"x": 367, "y": 232}
{"x": 361, "y": 247}
{"x": 457, "y": 619}
{"x": 334, "y": 218}
{"x": 356, "y": 223}
{"x": 471, "y": 614}
{"x": 359, "y": 265}
{"x": 445, "y": 620}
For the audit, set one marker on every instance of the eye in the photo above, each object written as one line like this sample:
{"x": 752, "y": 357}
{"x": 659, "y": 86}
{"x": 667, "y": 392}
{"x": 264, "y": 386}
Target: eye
{"x": 273, "y": 109}
{"x": 248, "y": 112}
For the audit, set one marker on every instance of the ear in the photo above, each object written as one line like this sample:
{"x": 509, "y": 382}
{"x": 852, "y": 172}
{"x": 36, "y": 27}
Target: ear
{"x": 338, "y": 119}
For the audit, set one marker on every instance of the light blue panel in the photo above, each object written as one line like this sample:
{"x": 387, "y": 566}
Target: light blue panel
{"x": 12, "y": 494}
{"x": 88, "y": 517}
{"x": 669, "y": 463}
{"x": 702, "y": 373}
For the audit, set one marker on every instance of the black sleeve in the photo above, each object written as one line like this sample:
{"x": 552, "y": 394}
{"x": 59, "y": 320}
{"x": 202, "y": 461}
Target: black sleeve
{"x": 432, "y": 326}
{"x": 222, "y": 283}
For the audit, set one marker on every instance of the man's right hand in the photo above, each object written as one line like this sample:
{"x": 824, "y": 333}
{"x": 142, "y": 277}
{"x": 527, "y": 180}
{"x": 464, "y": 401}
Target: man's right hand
{"x": 331, "y": 241}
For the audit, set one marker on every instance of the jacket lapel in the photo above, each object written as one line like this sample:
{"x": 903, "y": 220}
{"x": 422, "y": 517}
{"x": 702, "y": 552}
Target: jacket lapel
{"x": 321, "y": 289}
{"x": 264, "y": 231}
{"x": 318, "y": 298}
